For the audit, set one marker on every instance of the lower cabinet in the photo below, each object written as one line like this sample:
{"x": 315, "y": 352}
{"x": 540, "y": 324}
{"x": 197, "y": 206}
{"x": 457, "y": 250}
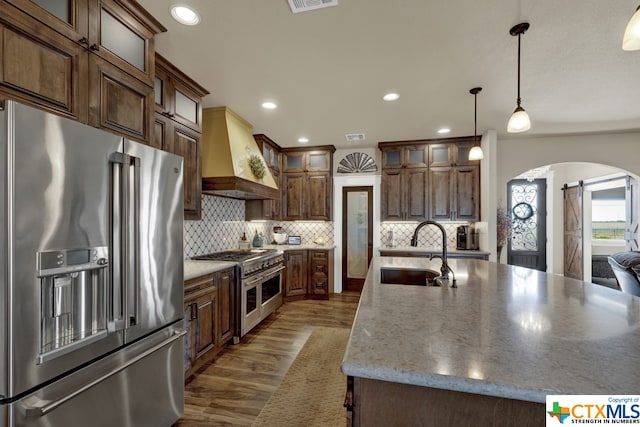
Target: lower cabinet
{"x": 309, "y": 273}
{"x": 375, "y": 402}
{"x": 208, "y": 317}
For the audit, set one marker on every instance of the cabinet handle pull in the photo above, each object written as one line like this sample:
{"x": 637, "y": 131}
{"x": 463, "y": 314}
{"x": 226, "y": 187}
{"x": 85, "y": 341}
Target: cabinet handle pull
{"x": 94, "y": 47}
{"x": 84, "y": 41}
{"x": 194, "y": 313}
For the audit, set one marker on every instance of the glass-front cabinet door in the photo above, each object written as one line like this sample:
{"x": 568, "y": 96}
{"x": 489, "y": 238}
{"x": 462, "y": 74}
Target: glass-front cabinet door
{"x": 123, "y": 41}
{"x": 68, "y": 17}
{"x": 318, "y": 161}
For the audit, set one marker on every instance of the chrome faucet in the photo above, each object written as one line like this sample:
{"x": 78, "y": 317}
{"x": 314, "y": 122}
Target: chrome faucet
{"x": 444, "y": 268}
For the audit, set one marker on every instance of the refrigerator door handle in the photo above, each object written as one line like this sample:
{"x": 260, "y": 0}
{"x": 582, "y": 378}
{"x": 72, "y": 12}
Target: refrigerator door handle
{"x": 133, "y": 286}
{"x": 125, "y": 223}
{"x": 36, "y": 407}
{"x": 118, "y": 227}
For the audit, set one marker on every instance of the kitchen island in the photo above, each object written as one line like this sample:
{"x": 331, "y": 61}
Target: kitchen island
{"x": 489, "y": 351}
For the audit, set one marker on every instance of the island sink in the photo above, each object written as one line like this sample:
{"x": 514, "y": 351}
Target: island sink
{"x": 404, "y": 276}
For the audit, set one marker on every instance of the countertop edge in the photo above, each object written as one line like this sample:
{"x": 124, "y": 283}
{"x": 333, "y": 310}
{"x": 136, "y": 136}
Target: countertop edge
{"x": 444, "y": 382}
{"x": 196, "y": 268}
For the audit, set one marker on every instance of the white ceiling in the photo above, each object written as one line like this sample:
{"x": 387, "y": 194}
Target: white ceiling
{"x": 328, "y": 69}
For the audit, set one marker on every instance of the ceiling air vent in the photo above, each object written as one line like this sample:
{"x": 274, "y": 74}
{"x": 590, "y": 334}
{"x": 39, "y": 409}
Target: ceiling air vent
{"x": 355, "y": 137}
{"x": 306, "y": 5}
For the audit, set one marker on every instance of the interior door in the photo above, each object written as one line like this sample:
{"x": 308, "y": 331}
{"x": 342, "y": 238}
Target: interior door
{"x": 527, "y": 246}
{"x": 573, "y": 225}
{"x": 357, "y": 235}
{"x": 631, "y": 203}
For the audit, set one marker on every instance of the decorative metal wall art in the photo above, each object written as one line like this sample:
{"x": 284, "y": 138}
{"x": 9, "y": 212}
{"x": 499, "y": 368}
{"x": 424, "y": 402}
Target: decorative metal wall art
{"x": 357, "y": 163}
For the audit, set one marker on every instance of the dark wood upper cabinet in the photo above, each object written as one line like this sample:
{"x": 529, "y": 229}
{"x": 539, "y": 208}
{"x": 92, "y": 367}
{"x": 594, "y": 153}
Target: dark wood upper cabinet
{"x": 430, "y": 180}
{"x": 177, "y": 96}
{"x": 307, "y": 183}
{"x": 177, "y": 129}
{"x": 268, "y": 209}
{"x": 452, "y": 153}
{"x": 90, "y": 60}
{"x": 119, "y": 103}
{"x": 409, "y": 156}
{"x": 46, "y": 72}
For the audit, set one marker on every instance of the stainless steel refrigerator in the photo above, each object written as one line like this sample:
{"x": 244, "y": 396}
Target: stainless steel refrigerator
{"x": 91, "y": 287}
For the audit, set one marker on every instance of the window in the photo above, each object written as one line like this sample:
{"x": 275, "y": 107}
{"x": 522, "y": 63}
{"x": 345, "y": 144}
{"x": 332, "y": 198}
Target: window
{"x": 608, "y": 214}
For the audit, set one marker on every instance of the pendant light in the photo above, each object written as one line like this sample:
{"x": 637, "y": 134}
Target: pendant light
{"x": 631, "y": 39}
{"x": 476, "y": 151}
{"x": 519, "y": 121}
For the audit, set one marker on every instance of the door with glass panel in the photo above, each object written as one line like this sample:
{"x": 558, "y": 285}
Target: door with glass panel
{"x": 357, "y": 235}
{"x": 528, "y": 211}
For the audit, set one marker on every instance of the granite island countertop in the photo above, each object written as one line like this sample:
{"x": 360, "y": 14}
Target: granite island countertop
{"x": 505, "y": 331}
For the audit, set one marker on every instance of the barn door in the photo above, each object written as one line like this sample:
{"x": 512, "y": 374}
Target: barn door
{"x": 631, "y": 226}
{"x": 573, "y": 262}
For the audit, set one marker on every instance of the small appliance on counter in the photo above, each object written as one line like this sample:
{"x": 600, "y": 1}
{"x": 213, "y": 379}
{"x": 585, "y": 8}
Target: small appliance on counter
{"x": 279, "y": 236}
{"x": 466, "y": 238}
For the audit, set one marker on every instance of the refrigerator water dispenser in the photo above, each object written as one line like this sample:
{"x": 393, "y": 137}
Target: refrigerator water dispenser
{"x": 73, "y": 299}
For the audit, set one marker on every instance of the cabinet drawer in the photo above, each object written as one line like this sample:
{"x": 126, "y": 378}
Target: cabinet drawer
{"x": 320, "y": 255}
{"x": 196, "y": 287}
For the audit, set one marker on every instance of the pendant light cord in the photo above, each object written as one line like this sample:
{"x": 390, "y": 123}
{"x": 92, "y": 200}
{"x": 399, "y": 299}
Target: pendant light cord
{"x": 518, "y": 101}
{"x": 475, "y": 115}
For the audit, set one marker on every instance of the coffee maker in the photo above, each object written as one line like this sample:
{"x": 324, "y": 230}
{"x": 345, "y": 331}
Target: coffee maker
{"x": 466, "y": 238}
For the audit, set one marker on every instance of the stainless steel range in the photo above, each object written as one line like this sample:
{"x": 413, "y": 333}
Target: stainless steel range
{"x": 259, "y": 292}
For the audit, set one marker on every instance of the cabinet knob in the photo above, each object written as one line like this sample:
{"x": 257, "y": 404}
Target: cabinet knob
{"x": 94, "y": 47}
{"x": 84, "y": 41}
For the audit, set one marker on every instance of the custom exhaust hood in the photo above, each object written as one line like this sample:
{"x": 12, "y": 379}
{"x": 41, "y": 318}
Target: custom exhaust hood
{"x": 232, "y": 164}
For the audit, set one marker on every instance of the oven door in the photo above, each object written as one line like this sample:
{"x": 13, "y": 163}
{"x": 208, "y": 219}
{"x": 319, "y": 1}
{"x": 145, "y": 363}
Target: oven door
{"x": 271, "y": 292}
{"x": 251, "y": 304}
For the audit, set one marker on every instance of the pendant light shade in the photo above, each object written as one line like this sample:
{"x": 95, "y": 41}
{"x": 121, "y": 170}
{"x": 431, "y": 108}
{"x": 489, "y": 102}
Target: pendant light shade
{"x": 476, "y": 151}
{"x": 519, "y": 121}
{"x": 631, "y": 39}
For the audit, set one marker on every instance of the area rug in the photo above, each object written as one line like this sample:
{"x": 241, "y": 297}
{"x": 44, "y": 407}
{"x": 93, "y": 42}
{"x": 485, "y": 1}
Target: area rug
{"x": 313, "y": 389}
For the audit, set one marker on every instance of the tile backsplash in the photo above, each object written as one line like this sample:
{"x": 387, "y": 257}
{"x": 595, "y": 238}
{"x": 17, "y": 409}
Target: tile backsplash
{"x": 220, "y": 228}
{"x": 430, "y": 236}
{"x": 223, "y": 223}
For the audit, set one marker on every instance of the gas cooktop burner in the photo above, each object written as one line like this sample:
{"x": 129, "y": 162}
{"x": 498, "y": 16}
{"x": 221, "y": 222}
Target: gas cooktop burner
{"x": 235, "y": 255}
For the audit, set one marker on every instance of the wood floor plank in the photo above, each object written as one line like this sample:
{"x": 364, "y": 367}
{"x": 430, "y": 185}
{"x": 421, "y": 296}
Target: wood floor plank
{"x": 233, "y": 389}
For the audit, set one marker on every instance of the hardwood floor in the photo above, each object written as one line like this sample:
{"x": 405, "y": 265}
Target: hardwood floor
{"x": 233, "y": 389}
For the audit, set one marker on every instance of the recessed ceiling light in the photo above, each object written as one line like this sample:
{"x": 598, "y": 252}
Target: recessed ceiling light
{"x": 269, "y": 105}
{"x": 303, "y": 140}
{"x": 391, "y": 96}
{"x": 184, "y": 14}
{"x": 444, "y": 130}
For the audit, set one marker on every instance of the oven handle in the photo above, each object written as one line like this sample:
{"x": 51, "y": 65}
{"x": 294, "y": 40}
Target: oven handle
{"x": 273, "y": 271}
{"x": 262, "y": 276}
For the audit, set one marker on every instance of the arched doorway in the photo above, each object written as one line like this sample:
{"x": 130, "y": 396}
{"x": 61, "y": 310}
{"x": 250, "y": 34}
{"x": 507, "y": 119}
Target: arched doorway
{"x": 594, "y": 178}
